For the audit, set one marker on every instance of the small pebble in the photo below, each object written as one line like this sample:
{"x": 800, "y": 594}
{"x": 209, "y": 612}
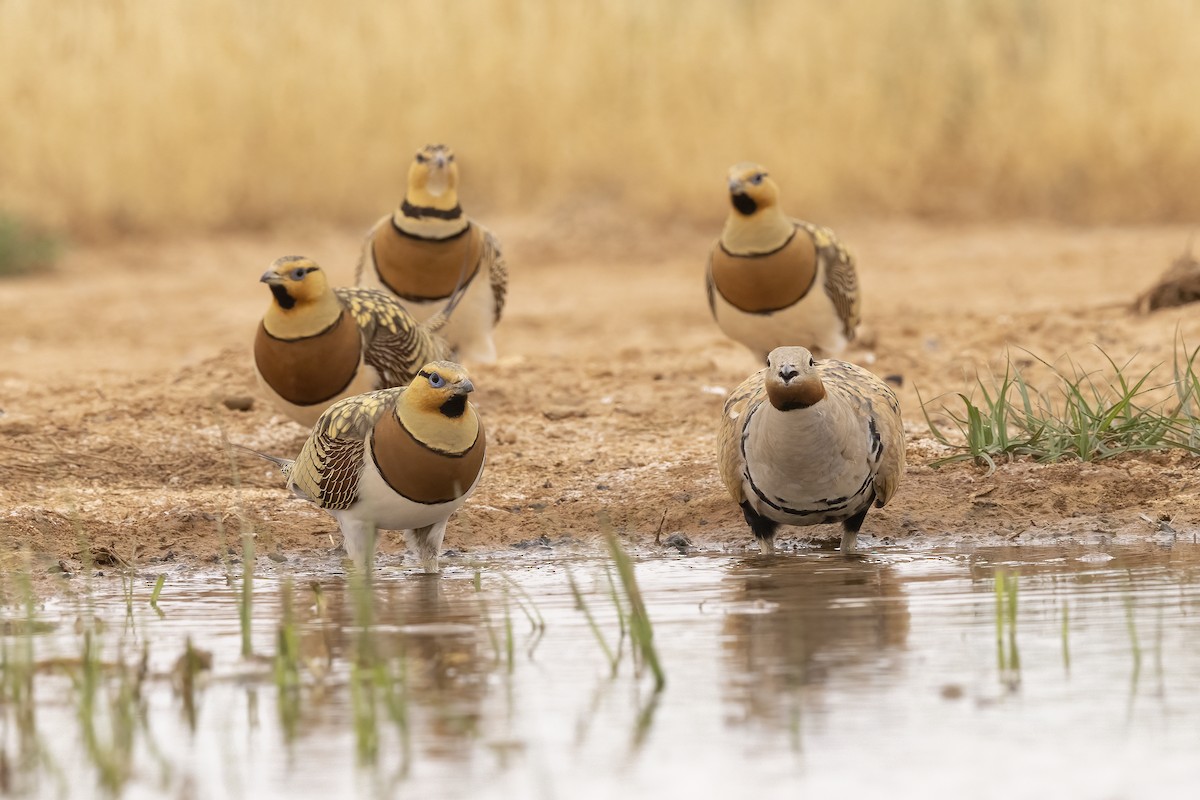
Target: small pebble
{"x": 239, "y": 402}
{"x": 563, "y": 412}
{"x": 952, "y": 691}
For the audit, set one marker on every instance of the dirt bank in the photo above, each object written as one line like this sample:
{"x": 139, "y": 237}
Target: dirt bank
{"x": 114, "y": 370}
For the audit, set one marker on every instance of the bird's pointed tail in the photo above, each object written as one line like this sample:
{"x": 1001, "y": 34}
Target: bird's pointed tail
{"x": 438, "y": 321}
{"x": 284, "y": 464}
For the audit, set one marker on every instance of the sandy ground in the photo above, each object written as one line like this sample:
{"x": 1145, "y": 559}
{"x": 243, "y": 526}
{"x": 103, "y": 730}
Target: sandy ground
{"x": 114, "y": 370}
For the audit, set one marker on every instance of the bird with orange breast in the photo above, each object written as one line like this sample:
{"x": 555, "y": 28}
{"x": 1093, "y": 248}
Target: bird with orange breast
{"x": 397, "y": 459}
{"x": 427, "y": 248}
{"x": 808, "y": 442}
{"x": 773, "y": 280}
{"x": 317, "y": 344}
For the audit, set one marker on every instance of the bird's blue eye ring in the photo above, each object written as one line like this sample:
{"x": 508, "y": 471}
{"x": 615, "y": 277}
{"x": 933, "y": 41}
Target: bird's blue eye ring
{"x": 436, "y": 380}
{"x": 757, "y": 179}
{"x": 298, "y": 273}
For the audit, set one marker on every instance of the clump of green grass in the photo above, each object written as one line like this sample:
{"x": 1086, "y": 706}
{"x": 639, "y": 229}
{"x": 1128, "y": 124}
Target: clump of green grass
{"x": 610, "y": 655}
{"x": 1086, "y": 415}
{"x": 286, "y": 666}
{"x": 641, "y": 631}
{"x": 246, "y": 597}
{"x": 154, "y": 594}
{"x": 23, "y": 249}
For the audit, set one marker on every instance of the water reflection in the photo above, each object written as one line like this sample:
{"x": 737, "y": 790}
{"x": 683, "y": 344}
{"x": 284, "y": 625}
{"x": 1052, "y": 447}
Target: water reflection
{"x": 869, "y": 655}
{"x": 428, "y": 634}
{"x": 792, "y": 623}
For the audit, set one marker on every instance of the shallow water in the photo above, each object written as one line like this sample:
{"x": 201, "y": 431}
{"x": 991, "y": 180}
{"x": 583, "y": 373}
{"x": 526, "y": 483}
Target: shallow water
{"x": 897, "y": 674}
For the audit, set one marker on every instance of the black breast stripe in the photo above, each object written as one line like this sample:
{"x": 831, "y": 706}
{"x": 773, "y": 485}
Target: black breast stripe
{"x": 876, "y": 440}
{"x": 417, "y": 212}
{"x": 826, "y": 507}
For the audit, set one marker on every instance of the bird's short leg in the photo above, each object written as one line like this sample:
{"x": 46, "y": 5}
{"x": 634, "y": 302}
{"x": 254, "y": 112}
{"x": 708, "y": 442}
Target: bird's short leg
{"x": 427, "y": 543}
{"x": 762, "y": 528}
{"x": 359, "y": 539}
{"x": 850, "y": 530}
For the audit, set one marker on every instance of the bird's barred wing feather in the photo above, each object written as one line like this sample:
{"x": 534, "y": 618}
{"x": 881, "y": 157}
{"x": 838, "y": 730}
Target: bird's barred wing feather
{"x": 892, "y": 467}
{"x": 730, "y": 460}
{"x": 396, "y": 344}
{"x": 330, "y": 463}
{"x": 493, "y": 259}
{"x": 875, "y": 400}
{"x": 841, "y": 279}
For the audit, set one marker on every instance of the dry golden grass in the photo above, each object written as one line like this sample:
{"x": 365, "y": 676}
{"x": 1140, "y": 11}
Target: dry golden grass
{"x": 151, "y": 115}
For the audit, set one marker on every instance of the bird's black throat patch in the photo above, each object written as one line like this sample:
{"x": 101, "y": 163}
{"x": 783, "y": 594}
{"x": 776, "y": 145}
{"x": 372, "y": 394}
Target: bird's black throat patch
{"x": 744, "y": 203}
{"x": 282, "y": 297}
{"x": 455, "y": 406}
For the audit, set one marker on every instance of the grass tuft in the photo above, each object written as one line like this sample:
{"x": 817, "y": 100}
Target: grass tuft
{"x": 246, "y": 597}
{"x": 286, "y": 666}
{"x": 159, "y": 582}
{"x": 1086, "y": 415}
{"x": 641, "y": 631}
{"x": 24, "y": 250}
{"x": 613, "y": 657}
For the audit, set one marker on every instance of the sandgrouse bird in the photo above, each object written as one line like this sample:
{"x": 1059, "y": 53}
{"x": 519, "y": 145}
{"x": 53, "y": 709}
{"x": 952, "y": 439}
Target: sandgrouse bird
{"x": 427, "y": 247}
{"x": 398, "y": 459}
{"x": 317, "y": 345}
{"x": 775, "y": 281}
{"x": 806, "y": 442}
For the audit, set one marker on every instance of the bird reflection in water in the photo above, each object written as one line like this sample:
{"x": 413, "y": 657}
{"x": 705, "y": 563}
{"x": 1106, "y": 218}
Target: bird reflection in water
{"x": 430, "y": 626}
{"x": 792, "y": 624}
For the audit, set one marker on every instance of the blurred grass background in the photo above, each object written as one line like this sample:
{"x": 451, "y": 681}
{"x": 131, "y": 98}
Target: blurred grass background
{"x": 148, "y": 116}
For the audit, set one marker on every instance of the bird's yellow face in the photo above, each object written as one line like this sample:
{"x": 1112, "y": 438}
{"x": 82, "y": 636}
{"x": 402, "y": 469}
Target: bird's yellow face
{"x": 441, "y": 387}
{"x": 295, "y": 280}
{"x": 751, "y": 188}
{"x": 433, "y": 178}
{"x": 792, "y": 380}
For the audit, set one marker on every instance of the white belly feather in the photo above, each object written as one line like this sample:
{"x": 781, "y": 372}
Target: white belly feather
{"x": 811, "y": 322}
{"x": 366, "y": 379}
{"x": 821, "y": 470}
{"x": 379, "y": 504}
